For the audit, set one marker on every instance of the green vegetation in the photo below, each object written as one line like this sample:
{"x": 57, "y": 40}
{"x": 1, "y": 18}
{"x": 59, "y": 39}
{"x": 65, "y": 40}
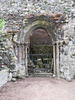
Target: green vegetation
{"x": 2, "y": 21}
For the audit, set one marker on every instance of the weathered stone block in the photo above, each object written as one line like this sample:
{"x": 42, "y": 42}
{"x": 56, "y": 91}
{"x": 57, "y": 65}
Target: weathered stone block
{"x": 3, "y": 77}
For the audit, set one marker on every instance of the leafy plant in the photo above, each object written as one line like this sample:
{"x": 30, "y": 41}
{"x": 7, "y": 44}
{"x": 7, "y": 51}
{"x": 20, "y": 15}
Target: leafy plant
{"x": 2, "y": 21}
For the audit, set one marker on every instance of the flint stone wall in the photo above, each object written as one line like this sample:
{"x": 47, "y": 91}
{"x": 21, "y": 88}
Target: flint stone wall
{"x": 16, "y": 13}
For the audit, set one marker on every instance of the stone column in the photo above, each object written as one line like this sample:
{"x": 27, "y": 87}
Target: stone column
{"x": 16, "y": 52}
{"x": 54, "y": 59}
{"x": 20, "y": 53}
{"x": 23, "y": 54}
{"x": 26, "y": 67}
{"x": 57, "y": 61}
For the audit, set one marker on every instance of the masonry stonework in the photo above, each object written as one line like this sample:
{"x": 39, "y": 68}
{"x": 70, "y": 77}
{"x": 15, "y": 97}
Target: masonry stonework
{"x": 22, "y": 18}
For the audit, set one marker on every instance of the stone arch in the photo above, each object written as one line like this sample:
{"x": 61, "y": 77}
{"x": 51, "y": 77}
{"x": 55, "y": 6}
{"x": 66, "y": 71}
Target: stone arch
{"x": 35, "y": 28}
{"x": 43, "y": 22}
{"x": 33, "y": 23}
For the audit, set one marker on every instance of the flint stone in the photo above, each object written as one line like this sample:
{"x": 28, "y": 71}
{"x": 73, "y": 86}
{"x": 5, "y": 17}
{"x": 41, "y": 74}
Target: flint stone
{"x": 13, "y": 79}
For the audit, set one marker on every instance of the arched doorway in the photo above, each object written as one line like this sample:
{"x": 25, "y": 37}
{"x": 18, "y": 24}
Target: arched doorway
{"x": 40, "y": 53}
{"x": 45, "y": 27}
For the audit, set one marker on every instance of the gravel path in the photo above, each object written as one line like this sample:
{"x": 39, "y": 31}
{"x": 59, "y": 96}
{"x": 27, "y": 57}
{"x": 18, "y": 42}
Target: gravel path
{"x": 38, "y": 88}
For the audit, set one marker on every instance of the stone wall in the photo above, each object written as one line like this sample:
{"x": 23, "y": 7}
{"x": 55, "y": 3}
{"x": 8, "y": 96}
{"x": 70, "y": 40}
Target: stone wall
{"x": 67, "y": 51}
{"x": 3, "y": 77}
{"x": 67, "y": 61}
{"x": 17, "y": 12}
{"x": 72, "y": 60}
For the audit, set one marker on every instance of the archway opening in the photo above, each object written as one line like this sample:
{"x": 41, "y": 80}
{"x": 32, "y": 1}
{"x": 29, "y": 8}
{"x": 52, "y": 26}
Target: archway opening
{"x": 40, "y": 53}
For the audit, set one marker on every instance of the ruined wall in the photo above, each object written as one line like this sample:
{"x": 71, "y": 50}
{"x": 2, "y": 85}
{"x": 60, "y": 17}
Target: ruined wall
{"x": 67, "y": 52}
{"x": 16, "y": 13}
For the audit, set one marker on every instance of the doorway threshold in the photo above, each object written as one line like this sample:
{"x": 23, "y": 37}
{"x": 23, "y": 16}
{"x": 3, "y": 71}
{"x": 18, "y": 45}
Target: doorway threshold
{"x": 41, "y": 75}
